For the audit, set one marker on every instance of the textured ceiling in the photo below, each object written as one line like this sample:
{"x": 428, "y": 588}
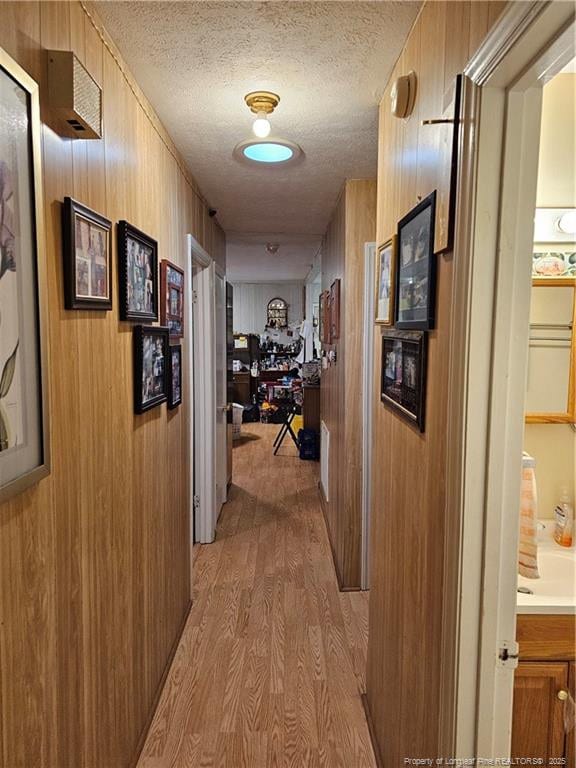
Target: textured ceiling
{"x": 329, "y": 61}
{"x": 248, "y": 261}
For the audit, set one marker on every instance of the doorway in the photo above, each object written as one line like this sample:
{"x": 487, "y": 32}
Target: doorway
{"x": 500, "y": 119}
{"x": 207, "y": 317}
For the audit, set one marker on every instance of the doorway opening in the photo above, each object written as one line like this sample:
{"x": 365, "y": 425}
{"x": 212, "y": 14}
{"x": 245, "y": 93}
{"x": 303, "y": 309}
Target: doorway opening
{"x": 497, "y": 197}
{"x": 208, "y": 353}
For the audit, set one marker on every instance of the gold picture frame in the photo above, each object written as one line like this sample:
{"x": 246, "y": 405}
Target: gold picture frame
{"x": 24, "y": 396}
{"x": 384, "y": 306}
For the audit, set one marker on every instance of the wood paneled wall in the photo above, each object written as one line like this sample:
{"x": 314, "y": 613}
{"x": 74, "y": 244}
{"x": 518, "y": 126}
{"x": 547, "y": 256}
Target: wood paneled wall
{"x": 352, "y": 225}
{"x": 408, "y": 515}
{"x": 95, "y": 560}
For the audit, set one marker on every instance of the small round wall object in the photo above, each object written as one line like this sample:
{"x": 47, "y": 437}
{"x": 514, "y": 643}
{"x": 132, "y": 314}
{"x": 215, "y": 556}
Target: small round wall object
{"x": 403, "y": 95}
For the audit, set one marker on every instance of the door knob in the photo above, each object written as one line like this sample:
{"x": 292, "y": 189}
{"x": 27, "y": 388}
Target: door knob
{"x": 562, "y": 694}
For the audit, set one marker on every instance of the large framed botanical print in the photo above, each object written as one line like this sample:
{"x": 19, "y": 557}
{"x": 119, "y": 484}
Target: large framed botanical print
{"x": 172, "y": 298}
{"x": 24, "y": 443}
{"x": 403, "y": 382}
{"x": 138, "y": 274}
{"x": 151, "y": 366}
{"x": 416, "y": 268}
{"x": 87, "y": 257}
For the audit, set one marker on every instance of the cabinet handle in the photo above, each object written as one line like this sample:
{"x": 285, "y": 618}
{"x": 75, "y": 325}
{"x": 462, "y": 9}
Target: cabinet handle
{"x": 562, "y": 694}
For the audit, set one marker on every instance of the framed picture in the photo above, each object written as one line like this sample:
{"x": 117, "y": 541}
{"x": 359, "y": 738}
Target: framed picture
{"x": 385, "y": 282}
{"x": 449, "y": 135}
{"x": 138, "y": 274}
{"x": 86, "y": 241}
{"x": 175, "y": 376}
{"x": 416, "y": 268}
{"x": 403, "y": 383}
{"x": 172, "y": 298}
{"x": 151, "y": 364}
{"x": 324, "y": 317}
{"x": 24, "y": 428}
{"x": 335, "y": 311}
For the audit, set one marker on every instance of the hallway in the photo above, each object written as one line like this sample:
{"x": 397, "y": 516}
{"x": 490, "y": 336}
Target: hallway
{"x": 270, "y": 666}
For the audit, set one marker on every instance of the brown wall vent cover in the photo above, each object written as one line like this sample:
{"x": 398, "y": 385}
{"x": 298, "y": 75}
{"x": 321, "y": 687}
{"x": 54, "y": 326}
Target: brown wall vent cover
{"x": 75, "y": 98}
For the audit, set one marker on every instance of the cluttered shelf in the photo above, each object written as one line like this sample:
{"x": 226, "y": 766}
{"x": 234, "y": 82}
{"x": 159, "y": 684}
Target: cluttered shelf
{"x": 272, "y": 384}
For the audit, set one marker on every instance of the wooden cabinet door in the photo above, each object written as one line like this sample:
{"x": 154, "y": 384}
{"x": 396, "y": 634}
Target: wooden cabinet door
{"x": 571, "y": 737}
{"x": 537, "y": 721}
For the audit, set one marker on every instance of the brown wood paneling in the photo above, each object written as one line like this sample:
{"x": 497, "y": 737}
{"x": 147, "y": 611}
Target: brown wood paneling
{"x": 94, "y": 561}
{"x": 408, "y": 515}
{"x": 353, "y": 224}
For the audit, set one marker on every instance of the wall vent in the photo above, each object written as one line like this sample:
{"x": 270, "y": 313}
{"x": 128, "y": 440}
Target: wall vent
{"x": 324, "y": 459}
{"x": 75, "y": 98}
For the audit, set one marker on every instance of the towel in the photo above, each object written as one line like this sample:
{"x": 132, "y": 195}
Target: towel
{"x": 306, "y": 333}
{"x": 528, "y": 547}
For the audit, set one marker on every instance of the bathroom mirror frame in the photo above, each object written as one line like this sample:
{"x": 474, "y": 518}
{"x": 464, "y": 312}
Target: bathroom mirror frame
{"x": 569, "y": 416}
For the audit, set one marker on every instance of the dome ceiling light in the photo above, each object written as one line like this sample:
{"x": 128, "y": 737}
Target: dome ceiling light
{"x": 262, "y": 104}
{"x": 264, "y": 150}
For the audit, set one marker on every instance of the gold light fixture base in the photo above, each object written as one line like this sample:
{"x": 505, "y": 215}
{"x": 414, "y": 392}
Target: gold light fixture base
{"x": 262, "y": 101}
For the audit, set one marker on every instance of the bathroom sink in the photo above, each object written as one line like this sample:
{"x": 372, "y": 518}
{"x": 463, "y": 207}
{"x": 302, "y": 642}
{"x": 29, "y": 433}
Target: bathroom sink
{"x": 555, "y": 590}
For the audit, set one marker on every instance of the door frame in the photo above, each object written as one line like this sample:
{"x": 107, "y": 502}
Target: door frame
{"x": 221, "y": 408}
{"x": 496, "y": 197}
{"x": 367, "y": 406}
{"x": 202, "y": 432}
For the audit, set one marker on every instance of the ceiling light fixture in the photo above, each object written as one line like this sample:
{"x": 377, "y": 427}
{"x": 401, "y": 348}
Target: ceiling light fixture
{"x": 262, "y": 104}
{"x": 272, "y": 248}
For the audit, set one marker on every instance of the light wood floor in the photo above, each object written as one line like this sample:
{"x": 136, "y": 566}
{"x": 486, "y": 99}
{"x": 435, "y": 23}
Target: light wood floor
{"x": 271, "y": 663}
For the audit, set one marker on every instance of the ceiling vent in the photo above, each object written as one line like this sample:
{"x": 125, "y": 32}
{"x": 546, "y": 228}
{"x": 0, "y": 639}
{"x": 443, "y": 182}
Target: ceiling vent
{"x": 74, "y": 96}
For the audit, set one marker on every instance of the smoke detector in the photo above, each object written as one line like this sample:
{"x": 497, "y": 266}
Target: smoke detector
{"x": 272, "y": 248}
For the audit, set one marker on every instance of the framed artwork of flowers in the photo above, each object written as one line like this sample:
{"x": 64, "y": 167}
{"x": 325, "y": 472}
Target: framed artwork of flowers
{"x": 24, "y": 443}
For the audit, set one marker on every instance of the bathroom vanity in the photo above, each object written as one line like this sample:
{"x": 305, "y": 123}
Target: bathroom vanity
{"x": 546, "y": 675}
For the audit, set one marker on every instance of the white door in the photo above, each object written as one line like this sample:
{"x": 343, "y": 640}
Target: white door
{"x": 202, "y": 299}
{"x": 221, "y": 468}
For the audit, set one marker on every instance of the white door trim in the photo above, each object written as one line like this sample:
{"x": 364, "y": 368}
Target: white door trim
{"x": 491, "y": 298}
{"x": 203, "y": 425}
{"x": 367, "y": 394}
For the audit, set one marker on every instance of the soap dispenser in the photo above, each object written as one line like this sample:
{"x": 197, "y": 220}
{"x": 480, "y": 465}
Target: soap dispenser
{"x": 564, "y": 516}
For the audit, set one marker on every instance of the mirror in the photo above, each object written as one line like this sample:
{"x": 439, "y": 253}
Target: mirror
{"x": 551, "y": 395}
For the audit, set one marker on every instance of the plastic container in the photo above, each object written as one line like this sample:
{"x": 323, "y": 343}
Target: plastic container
{"x": 564, "y": 517}
{"x": 237, "y": 411}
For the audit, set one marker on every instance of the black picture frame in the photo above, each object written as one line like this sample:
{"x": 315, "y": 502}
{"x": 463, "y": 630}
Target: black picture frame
{"x": 149, "y": 372}
{"x": 403, "y": 376}
{"x": 415, "y": 295}
{"x": 175, "y": 392}
{"x": 86, "y": 240}
{"x": 138, "y": 297}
